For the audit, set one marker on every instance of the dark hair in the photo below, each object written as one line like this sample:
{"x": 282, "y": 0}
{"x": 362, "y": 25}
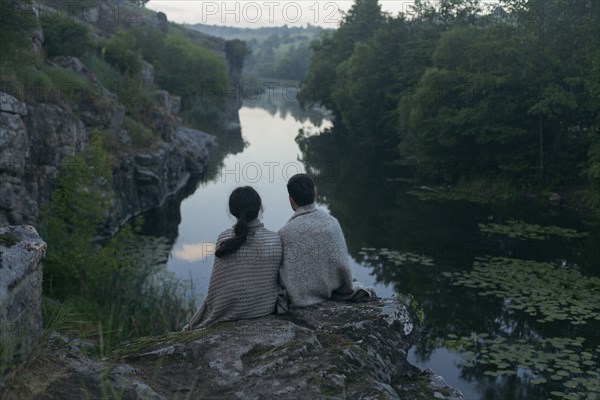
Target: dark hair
{"x": 244, "y": 204}
{"x": 302, "y": 189}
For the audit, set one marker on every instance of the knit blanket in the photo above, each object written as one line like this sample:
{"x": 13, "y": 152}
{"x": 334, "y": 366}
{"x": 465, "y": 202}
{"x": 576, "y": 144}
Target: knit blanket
{"x": 316, "y": 263}
{"x": 244, "y": 284}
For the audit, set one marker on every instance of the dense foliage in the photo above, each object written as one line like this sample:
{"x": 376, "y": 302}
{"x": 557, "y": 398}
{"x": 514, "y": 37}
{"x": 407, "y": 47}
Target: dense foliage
{"x": 117, "y": 294}
{"x": 64, "y": 37}
{"x": 119, "y": 51}
{"x": 510, "y": 91}
{"x": 16, "y": 23}
{"x": 196, "y": 74}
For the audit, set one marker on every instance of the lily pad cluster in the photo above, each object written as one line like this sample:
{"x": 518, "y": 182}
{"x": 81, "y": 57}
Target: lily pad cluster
{"x": 441, "y": 194}
{"x": 396, "y": 257}
{"x": 446, "y": 193}
{"x": 540, "y": 289}
{"x": 563, "y": 364}
{"x": 524, "y": 231}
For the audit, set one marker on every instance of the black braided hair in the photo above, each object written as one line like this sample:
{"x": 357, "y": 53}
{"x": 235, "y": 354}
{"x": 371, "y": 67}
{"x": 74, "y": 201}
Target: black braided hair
{"x": 245, "y": 205}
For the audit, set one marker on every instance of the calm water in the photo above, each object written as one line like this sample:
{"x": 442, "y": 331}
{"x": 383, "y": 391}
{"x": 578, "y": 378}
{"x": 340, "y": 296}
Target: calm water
{"x": 398, "y": 243}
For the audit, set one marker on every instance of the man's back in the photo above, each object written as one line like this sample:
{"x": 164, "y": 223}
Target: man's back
{"x": 315, "y": 257}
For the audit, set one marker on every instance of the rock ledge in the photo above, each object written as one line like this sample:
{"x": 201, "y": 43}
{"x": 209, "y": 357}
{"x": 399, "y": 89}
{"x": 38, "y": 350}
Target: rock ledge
{"x": 329, "y": 351}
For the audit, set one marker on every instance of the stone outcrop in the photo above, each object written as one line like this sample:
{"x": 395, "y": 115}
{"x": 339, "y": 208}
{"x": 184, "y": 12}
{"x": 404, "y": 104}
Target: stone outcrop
{"x": 329, "y": 351}
{"x": 35, "y": 137}
{"x": 145, "y": 180}
{"x": 21, "y": 254}
{"x": 38, "y": 128}
{"x": 33, "y": 140}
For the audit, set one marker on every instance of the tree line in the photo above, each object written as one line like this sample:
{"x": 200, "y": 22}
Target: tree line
{"x": 276, "y": 52}
{"x": 511, "y": 91}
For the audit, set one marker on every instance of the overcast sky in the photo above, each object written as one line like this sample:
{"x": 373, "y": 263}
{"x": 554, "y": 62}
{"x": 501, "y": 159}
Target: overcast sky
{"x": 253, "y": 14}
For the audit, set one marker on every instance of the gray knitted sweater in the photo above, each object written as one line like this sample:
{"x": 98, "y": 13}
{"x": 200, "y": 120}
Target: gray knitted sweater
{"x": 243, "y": 284}
{"x": 315, "y": 258}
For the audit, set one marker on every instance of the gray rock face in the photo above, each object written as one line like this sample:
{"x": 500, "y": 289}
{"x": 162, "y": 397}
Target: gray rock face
{"x": 172, "y": 104}
{"x": 9, "y": 104}
{"x": 143, "y": 181}
{"x": 147, "y": 75}
{"x": 33, "y": 140}
{"x": 21, "y": 254}
{"x": 329, "y": 351}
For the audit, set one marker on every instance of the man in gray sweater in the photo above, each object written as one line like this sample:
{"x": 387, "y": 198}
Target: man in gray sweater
{"x": 316, "y": 264}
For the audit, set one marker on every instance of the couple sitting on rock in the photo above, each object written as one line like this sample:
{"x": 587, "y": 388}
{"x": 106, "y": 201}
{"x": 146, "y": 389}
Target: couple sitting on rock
{"x": 258, "y": 272}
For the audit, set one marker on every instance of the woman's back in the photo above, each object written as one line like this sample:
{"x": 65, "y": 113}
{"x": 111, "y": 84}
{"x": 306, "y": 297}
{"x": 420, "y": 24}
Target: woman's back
{"x": 243, "y": 284}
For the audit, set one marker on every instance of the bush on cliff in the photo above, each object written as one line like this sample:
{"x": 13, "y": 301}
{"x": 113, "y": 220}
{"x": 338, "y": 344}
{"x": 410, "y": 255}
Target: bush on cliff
{"x": 63, "y": 36}
{"x": 15, "y": 30}
{"x": 119, "y": 51}
{"x": 185, "y": 69}
{"x": 118, "y": 295}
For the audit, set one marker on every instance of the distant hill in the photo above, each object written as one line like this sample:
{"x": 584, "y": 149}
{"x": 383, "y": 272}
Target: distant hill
{"x": 231, "y": 32}
{"x": 277, "y": 52}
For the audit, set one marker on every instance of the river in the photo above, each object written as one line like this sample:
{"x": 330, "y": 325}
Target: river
{"x": 402, "y": 242}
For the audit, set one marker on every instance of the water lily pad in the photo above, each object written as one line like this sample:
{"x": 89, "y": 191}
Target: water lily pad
{"x": 524, "y": 231}
{"x": 397, "y": 258}
{"x": 540, "y": 289}
{"x": 544, "y": 360}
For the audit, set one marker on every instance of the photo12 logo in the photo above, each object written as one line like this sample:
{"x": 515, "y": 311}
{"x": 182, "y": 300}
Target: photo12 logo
{"x": 255, "y": 12}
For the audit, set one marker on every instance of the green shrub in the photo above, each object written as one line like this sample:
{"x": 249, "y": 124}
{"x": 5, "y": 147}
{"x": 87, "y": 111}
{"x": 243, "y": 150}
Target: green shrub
{"x": 15, "y": 31}
{"x": 116, "y": 292}
{"x": 187, "y": 69}
{"x": 106, "y": 74}
{"x": 128, "y": 89}
{"x": 119, "y": 52}
{"x": 150, "y": 42}
{"x": 70, "y": 84}
{"x": 141, "y": 135}
{"x": 236, "y": 51}
{"x": 82, "y": 193}
{"x": 46, "y": 83}
{"x": 31, "y": 76}
{"x": 196, "y": 74}
{"x": 141, "y": 297}
{"x": 203, "y": 115}
{"x": 63, "y": 36}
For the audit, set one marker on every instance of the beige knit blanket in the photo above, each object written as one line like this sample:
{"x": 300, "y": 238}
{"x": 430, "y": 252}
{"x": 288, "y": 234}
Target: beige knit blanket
{"x": 244, "y": 284}
{"x": 316, "y": 263}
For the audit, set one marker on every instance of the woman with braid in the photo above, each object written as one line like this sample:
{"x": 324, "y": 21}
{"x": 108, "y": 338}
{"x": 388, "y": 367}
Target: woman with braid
{"x": 244, "y": 279}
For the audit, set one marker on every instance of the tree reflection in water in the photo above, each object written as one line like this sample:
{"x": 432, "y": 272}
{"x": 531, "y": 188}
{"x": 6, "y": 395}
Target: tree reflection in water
{"x": 369, "y": 198}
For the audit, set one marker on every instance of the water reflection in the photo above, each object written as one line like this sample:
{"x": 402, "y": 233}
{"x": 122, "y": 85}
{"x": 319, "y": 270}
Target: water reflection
{"x": 194, "y": 252}
{"x": 393, "y": 232}
{"x": 283, "y": 103}
{"x": 264, "y": 156}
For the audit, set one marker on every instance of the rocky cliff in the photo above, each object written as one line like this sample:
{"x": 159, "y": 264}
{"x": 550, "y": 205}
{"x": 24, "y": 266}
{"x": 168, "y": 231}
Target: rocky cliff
{"x": 329, "y": 351}
{"x": 21, "y": 254}
{"x": 38, "y": 128}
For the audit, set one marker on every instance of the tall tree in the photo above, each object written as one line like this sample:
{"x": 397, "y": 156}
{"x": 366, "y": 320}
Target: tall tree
{"x": 359, "y": 24}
